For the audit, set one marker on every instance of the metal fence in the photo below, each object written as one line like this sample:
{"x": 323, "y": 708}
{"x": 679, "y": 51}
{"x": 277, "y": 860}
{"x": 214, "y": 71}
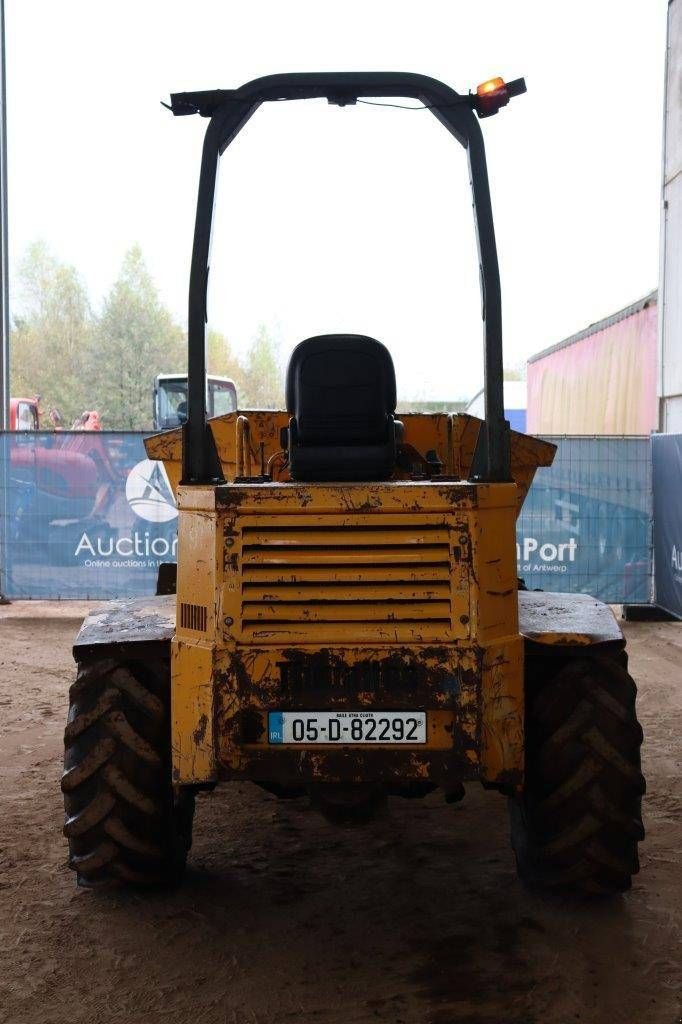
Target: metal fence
{"x": 87, "y": 515}
{"x": 84, "y": 515}
{"x": 587, "y": 523}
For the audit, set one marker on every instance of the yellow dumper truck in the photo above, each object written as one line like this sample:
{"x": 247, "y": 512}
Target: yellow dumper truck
{"x": 346, "y": 620}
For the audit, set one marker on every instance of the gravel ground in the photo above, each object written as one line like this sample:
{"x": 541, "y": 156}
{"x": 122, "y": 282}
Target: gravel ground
{"x": 415, "y": 918}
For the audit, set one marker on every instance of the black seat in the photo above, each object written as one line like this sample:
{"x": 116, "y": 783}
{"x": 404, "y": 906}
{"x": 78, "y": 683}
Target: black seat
{"x": 341, "y": 395}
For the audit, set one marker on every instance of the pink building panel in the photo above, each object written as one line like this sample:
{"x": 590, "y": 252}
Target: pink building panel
{"x": 601, "y": 381}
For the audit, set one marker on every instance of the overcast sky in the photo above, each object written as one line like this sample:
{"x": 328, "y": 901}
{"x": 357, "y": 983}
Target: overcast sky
{"x": 354, "y": 219}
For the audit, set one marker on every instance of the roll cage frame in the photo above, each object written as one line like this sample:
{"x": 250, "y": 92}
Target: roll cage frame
{"x": 229, "y": 110}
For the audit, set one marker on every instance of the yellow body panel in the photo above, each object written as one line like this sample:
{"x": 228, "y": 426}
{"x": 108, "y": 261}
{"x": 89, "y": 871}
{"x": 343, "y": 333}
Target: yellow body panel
{"x": 192, "y": 706}
{"x": 453, "y": 437}
{"x": 396, "y": 595}
{"x": 399, "y": 595}
{"x": 502, "y": 696}
{"x": 193, "y": 648}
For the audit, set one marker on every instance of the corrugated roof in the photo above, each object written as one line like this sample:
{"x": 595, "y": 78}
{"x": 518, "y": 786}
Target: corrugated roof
{"x": 601, "y": 325}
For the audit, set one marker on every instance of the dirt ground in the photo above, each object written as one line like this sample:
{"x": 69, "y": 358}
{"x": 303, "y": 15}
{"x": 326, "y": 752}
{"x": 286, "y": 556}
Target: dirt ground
{"x": 415, "y": 918}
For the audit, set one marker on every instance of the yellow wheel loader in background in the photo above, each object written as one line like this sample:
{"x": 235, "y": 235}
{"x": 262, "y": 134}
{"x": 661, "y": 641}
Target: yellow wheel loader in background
{"x": 348, "y": 622}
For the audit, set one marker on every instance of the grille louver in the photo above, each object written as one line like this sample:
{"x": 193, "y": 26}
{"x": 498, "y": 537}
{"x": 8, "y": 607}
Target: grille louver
{"x": 193, "y": 617}
{"x": 381, "y": 581}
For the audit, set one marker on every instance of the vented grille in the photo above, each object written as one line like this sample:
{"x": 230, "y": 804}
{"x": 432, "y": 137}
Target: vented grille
{"x": 193, "y": 616}
{"x": 382, "y": 581}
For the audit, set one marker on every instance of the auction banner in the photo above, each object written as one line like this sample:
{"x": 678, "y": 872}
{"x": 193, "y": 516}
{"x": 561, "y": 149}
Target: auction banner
{"x": 586, "y": 524}
{"x": 667, "y": 480}
{"x": 86, "y": 515}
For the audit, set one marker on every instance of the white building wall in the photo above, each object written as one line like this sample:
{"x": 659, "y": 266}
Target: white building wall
{"x": 670, "y": 291}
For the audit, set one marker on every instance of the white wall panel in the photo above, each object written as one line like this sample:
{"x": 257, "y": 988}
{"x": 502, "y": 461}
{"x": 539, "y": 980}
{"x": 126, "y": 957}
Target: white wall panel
{"x": 670, "y": 295}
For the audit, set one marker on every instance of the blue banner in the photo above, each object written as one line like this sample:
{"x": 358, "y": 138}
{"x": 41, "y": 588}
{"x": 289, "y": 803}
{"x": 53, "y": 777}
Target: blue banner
{"x": 86, "y": 515}
{"x": 667, "y": 479}
{"x": 586, "y": 524}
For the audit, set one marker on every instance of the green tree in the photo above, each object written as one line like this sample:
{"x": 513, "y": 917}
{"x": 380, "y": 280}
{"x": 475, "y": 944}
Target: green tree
{"x": 77, "y": 361}
{"x": 136, "y": 340}
{"x": 51, "y": 335}
{"x": 263, "y": 386}
{"x": 222, "y": 360}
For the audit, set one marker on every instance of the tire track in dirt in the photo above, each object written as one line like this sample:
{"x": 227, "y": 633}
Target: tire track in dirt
{"x": 416, "y": 918}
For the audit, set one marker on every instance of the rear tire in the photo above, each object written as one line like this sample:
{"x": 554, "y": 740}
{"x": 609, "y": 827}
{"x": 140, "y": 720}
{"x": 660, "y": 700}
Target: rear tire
{"x": 578, "y": 822}
{"x": 124, "y": 821}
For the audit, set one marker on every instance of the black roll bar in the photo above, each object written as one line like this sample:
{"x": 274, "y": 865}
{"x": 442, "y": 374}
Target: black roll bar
{"x": 229, "y": 110}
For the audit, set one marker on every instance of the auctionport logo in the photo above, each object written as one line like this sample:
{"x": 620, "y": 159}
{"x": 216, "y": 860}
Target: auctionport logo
{"x": 552, "y": 557}
{"x": 149, "y": 494}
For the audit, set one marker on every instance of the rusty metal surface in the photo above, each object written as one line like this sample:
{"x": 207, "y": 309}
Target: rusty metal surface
{"x": 273, "y": 582}
{"x": 397, "y": 595}
{"x": 346, "y": 578}
{"x": 502, "y": 714}
{"x": 138, "y": 620}
{"x": 566, "y": 619}
{"x": 250, "y": 681}
{"x": 473, "y": 698}
{"x": 453, "y": 438}
{"x": 192, "y": 711}
{"x": 393, "y": 496}
{"x": 167, "y": 448}
{"x": 313, "y": 539}
{"x": 527, "y": 453}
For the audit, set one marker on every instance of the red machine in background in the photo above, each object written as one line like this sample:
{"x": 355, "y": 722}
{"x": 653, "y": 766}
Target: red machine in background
{"x": 62, "y": 479}
{"x": 24, "y": 413}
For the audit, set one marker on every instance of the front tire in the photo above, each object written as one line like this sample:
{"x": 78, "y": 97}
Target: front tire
{"x": 124, "y": 821}
{"x": 578, "y": 822}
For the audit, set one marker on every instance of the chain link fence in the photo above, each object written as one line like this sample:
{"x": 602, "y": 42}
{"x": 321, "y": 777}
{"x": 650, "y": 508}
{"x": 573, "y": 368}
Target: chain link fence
{"x": 587, "y": 523}
{"x": 87, "y": 515}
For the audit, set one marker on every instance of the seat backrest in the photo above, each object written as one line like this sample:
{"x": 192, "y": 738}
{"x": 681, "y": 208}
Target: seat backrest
{"x": 340, "y": 389}
{"x": 341, "y": 395}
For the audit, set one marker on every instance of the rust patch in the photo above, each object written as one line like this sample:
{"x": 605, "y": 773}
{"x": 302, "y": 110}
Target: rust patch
{"x": 229, "y": 496}
{"x": 400, "y": 674}
{"x": 253, "y": 681}
{"x": 200, "y": 731}
{"x": 459, "y": 495}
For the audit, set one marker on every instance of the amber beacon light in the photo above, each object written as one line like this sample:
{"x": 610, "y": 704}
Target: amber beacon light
{"x": 495, "y": 93}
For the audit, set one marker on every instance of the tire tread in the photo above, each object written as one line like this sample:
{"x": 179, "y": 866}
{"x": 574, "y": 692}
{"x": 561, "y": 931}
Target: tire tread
{"x": 579, "y": 820}
{"x": 123, "y": 822}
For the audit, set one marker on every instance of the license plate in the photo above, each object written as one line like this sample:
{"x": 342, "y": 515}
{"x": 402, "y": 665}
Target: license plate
{"x": 347, "y": 727}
